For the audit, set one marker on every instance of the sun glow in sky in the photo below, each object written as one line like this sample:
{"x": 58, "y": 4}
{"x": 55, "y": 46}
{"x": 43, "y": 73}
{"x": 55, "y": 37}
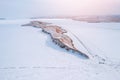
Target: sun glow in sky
{"x": 81, "y": 7}
{"x": 59, "y": 7}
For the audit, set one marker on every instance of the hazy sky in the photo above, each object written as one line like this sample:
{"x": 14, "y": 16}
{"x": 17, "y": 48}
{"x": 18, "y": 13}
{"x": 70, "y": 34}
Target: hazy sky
{"x": 26, "y": 8}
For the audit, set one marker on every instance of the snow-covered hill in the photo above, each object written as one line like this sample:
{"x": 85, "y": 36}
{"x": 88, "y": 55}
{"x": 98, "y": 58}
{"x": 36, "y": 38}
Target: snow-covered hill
{"x": 28, "y": 54}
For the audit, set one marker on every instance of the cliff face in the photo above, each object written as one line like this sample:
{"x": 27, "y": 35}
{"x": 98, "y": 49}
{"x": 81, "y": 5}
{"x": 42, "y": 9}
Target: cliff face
{"x": 57, "y": 36}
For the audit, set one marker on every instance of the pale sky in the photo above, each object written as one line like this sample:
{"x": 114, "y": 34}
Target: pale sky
{"x": 27, "y": 8}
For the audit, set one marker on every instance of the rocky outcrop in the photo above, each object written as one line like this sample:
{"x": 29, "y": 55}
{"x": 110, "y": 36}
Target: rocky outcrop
{"x": 57, "y": 35}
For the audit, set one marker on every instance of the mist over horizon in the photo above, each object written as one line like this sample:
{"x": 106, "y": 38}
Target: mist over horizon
{"x": 34, "y": 8}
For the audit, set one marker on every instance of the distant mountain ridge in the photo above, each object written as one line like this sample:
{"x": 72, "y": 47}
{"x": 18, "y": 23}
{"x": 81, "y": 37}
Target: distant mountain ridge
{"x": 88, "y": 18}
{"x": 98, "y": 19}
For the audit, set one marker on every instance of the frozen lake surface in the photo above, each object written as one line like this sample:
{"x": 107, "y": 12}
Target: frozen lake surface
{"x": 28, "y": 54}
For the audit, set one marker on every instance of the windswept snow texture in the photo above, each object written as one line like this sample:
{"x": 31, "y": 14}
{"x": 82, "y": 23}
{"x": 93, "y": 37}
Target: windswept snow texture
{"x": 28, "y": 54}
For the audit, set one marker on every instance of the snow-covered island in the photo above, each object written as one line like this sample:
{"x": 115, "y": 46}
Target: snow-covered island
{"x": 57, "y": 36}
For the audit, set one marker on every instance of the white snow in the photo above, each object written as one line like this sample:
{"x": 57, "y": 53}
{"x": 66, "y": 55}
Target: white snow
{"x": 28, "y": 54}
